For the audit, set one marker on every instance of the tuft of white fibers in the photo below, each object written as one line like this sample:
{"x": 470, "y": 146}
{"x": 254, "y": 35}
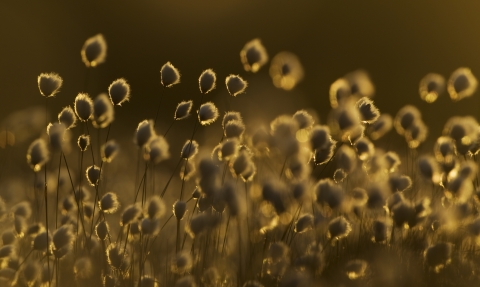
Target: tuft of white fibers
{"x": 231, "y": 116}
{"x": 209, "y": 177}
{"x": 183, "y": 110}
{"x": 37, "y": 154}
{"x": 286, "y": 70}
{"x": 319, "y": 137}
{"x": 381, "y": 126}
{"x": 365, "y": 148}
{"x": 7, "y": 251}
{"x": 157, "y": 149}
{"x": 429, "y": 169}
{"x": 416, "y": 134}
{"x": 368, "y": 111}
{"x": 461, "y": 84}
{"x": 155, "y": 208}
{"x": 356, "y": 268}
{"x": 392, "y": 161}
{"x": 188, "y": 170}
{"x": 109, "y": 150}
{"x": 339, "y": 92}
{"x": 206, "y": 81}
{"x": 40, "y": 241}
{"x": 181, "y": 263}
{"x": 228, "y": 149}
{"x": 234, "y": 129}
{"x": 274, "y": 191}
{"x": 241, "y": 162}
{"x": 22, "y": 209}
{"x": 360, "y": 83}
{"x": 201, "y": 223}
{"x": 93, "y": 175}
{"x": 94, "y": 51}
{"x": 186, "y": 281}
{"x": 83, "y": 106}
{"x": 207, "y": 113}
{"x": 169, "y": 75}
{"x": 119, "y": 92}
{"x": 34, "y": 229}
{"x": 179, "y": 209}
{"x": 149, "y": 226}
{"x": 339, "y": 175}
{"x": 278, "y": 251}
{"x": 379, "y": 231}
{"x": 284, "y": 129}
{"x": 8, "y": 237}
{"x": 444, "y": 149}
{"x": 399, "y": 182}
{"x": 253, "y": 56}
{"x": 144, "y": 133}
{"x": 345, "y": 120}
{"x": 56, "y": 133}
{"x": 304, "y": 223}
{"x": 49, "y": 84}
{"x": 103, "y": 111}
{"x": 235, "y": 85}
{"x": 338, "y": 228}
{"x": 303, "y": 119}
{"x": 131, "y": 214}
{"x": 297, "y": 167}
{"x": 102, "y": 230}
{"x": 83, "y": 142}
{"x": 109, "y": 203}
{"x": 403, "y": 213}
{"x": 189, "y": 150}
{"x": 464, "y": 130}
{"x": 116, "y": 257}
{"x": 20, "y": 225}
{"x": 63, "y": 239}
{"x": 346, "y": 159}
{"x": 88, "y": 210}
{"x": 324, "y": 154}
{"x": 405, "y": 118}
{"x": 329, "y": 193}
{"x": 32, "y": 272}
{"x": 83, "y": 268}
{"x": 431, "y": 86}
{"x": 67, "y": 117}
{"x": 438, "y": 256}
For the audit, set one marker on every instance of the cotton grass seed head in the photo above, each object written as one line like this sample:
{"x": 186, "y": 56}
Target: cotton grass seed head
{"x": 234, "y": 129}
{"x": 130, "y": 214}
{"x": 381, "y": 126}
{"x": 109, "y": 150}
{"x": 230, "y": 116}
{"x": 368, "y": 111}
{"x": 438, "y": 256}
{"x": 360, "y": 83}
{"x": 304, "y": 223}
{"x": 303, "y": 119}
{"x": 37, "y": 154}
{"x": 116, "y": 257}
{"x": 103, "y": 111}
{"x": 7, "y": 251}
{"x": 228, "y": 149}
{"x": 188, "y": 171}
{"x": 462, "y": 84}
{"x": 327, "y": 192}
{"x": 22, "y": 209}
{"x": 83, "y": 142}
{"x": 286, "y": 70}
{"x": 40, "y": 241}
{"x": 207, "y": 113}
{"x": 144, "y": 133}
{"x": 94, "y": 51}
{"x": 253, "y": 56}
{"x": 155, "y": 208}
{"x": 189, "y": 150}
{"x": 339, "y": 92}
{"x": 93, "y": 175}
{"x": 235, "y": 85}
{"x": 67, "y": 117}
{"x": 356, "y": 269}
{"x": 158, "y": 149}
{"x": 339, "y": 228}
{"x": 56, "y": 133}
{"x": 8, "y": 237}
{"x": 83, "y": 107}
{"x": 431, "y": 86}
{"x": 49, "y": 84}
{"x": 405, "y": 117}
{"x": 179, "y": 209}
{"x": 102, "y": 230}
{"x": 183, "y": 110}
{"x": 32, "y": 272}
{"x": 109, "y": 203}
{"x": 119, "y": 91}
{"x": 169, "y": 75}
{"x": 206, "y": 81}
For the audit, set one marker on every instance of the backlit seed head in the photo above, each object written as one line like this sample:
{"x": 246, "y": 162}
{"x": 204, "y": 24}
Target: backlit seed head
{"x": 379, "y": 231}
{"x": 368, "y": 111}
{"x": 63, "y": 240}
{"x": 144, "y": 133}
{"x": 206, "y": 81}
{"x": 253, "y": 56}
{"x": 274, "y": 192}
{"x": 339, "y": 175}
{"x": 381, "y": 126}
{"x": 83, "y": 268}
{"x": 94, "y": 51}
{"x": 360, "y": 84}
{"x": 8, "y": 237}
{"x": 32, "y": 272}
{"x": 93, "y": 175}
{"x": 429, "y": 169}
{"x": 303, "y": 119}
{"x": 169, "y": 75}
{"x": 157, "y": 149}
{"x": 201, "y": 223}
{"x": 119, "y": 91}
{"x": 179, "y": 209}
{"x": 319, "y": 137}
{"x": 230, "y": 116}
{"x": 49, "y": 84}
{"x": 392, "y": 161}
{"x": 324, "y": 154}
{"x": 339, "y": 92}
{"x": 234, "y": 129}
{"x": 228, "y": 149}
{"x": 109, "y": 203}
{"x": 278, "y": 251}
{"x": 405, "y": 118}
{"x": 7, "y": 251}
{"x": 109, "y": 150}
{"x": 56, "y": 133}
{"x": 339, "y": 228}
{"x": 83, "y": 107}
{"x": 207, "y": 113}
{"x": 67, "y": 117}
{"x": 328, "y": 192}
{"x": 235, "y": 85}
{"x": 116, "y": 257}
{"x": 416, "y": 134}
{"x": 83, "y": 142}
{"x": 37, "y": 154}
{"x": 286, "y": 70}
{"x": 102, "y": 230}
{"x": 131, "y": 214}
{"x": 103, "y": 111}
{"x": 40, "y": 241}
{"x": 399, "y": 182}
{"x": 444, "y": 149}
{"x": 155, "y": 207}
{"x": 356, "y": 269}
{"x": 431, "y": 86}
{"x": 183, "y": 110}
{"x": 438, "y": 256}
{"x": 365, "y": 148}
{"x": 462, "y": 84}
{"x": 149, "y": 226}
{"x": 188, "y": 171}
{"x": 304, "y": 223}
{"x": 189, "y": 150}
{"x": 346, "y": 159}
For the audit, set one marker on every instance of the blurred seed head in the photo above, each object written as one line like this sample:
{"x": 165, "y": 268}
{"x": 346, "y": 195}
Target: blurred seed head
{"x": 228, "y": 149}
{"x": 368, "y": 111}
{"x": 431, "y": 86}
{"x": 338, "y": 228}
{"x": 444, "y": 149}
{"x": 22, "y": 209}
{"x": 346, "y": 159}
{"x": 230, "y": 116}
{"x": 116, "y": 257}
{"x": 324, "y": 154}
{"x": 144, "y": 133}
{"x": 130, "y": 214}
{"x": 327, "y": 192}
{"x": 119, "y": 92}
{"x": 189, "y": 150}
{"x": 207, "y": 113}
{"x": 188, "y": 170}
{"x": 7, "y": 251}
{"x": 339, "y": 92}
{"x": 103, "y": 111}
{"x": 40, "y": 242}
{"x": 461, "y": 84}
{"x": 169, "y": 75}
{"x": 429, "y": 169}
{"x": 49, "y": 84}
{"x": 235, "y": 85}
{"x": 83, "y": 142}
{"x": 319, "y": 137}
{"x": 206, "y": 81}
{"x": 303, "y": 119}
{"x": 8, "y": 237}
{"x": 109, "y": 203}
{"x": 381, "y": 126}
{"x": 286, "y": 70}
{"x": 63, "y": 239}
{"x": 179, "y": 209}
{"x": 93, "y": 175}
{"x": 37, "y": 154}
{"x": 304, "y": 223}
{"x": 399, "y": 182}
{"x": 182, "y": 262}
{"x": 157, "y": 150}
{"x": 83, "y": 107}
{"x": 365, "y": 148}
{"x": 405, "y": 118}
{"x": 32, "y": 272}
{"x": 253, "y": 56}
{"x": 416, "y": 134}
{"x": 109, "y": 150}
{"x": 102, "y": 230}
{"x": 183, "y": 110}
{"x": 186, "y": 281}
{"x": 356, "y": 269}
{"x": 155, "y": 207}
{"x": 67, "y": 117}
{"x": 201, "y": 223}
{"x": 234, "y": 129}
{"x": 94, "y": 51}
{"x": 438, "y": 256}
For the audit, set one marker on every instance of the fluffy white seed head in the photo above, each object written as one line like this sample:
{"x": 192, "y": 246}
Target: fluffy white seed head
{"x": 228, "y": 149}
{"x": 103, "y": 111}
{"x": 8, "y": 237}
{"x": 130, "y": 214}
{"x": 304, "y": 223}
{"x": 157, "y": 149}
{"x": 179, "y": 209}
{"x": 56, "y": 134}
{"x": 188, "y": 170}
{"x": 462, "y": 84}
{"x": 183, "y": 110}
{"x": 207, "y": 113}
{"x": 109, "y": 203}
{"x": 201, "y": 223}
{"x": 22, "y": 209}
{"x": 116, "y": 257}
{"x": 94, "y": 51}
{"x": 49, "y": 84}
{"x": 368, "y": 111}
{"x": 360, "y": 83}
{"x": 234, "y": 129}
{"x": 356, "y": 269}
{"x": 93, "y": 175}
{"x": 83, "y": 107}
{"x": 339, "y": 228}
{"x": 83, "y": 142}
{"x": 41, "y": 242}
{"x": 381, "y": 126}
{"x": 144, "y": 133}
{"x": 431, "y": 86}
{"x": 109, "y": 150}
{"x": 32, "y": 272}
{"x": 365, "y": 148}
{"x": 67, "y": 117}
{"x": 329, "y": 193}
{"x": 37, "y": 154}
{"x": 438, "y": 255}
{"x": 303, "y": 119}
{"x": 189, "y": 150}
{"x": 102, "y": 230}
{"x": 206, "y": 81}
{"x": 405, "y": 118}
{"x": 253, "y": 56}
{"x": 63, "y": 240}
{"x": 169, "y": 75}
{"x": 7, "y": 251}
{"x": 235, "y": 85}
{"x": 339, "y": 92}
{"x": 119, "y": 91}
{"x": 286, "y": 70}
{"x": 230, "y": 116}
{"x": 319, "y": 137}
{"x": 155, "y": 207}
{"x": 346, "y": 159}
